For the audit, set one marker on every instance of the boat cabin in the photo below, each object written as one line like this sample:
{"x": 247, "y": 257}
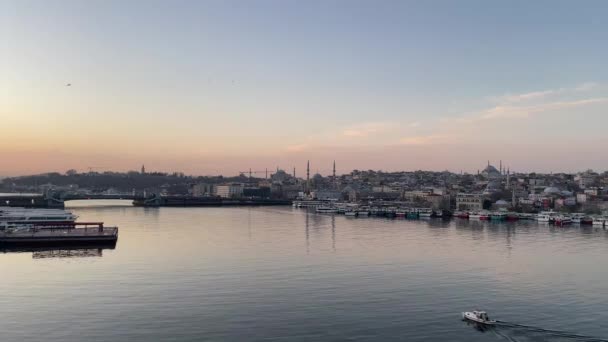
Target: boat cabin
{"x": 482, "y": 315}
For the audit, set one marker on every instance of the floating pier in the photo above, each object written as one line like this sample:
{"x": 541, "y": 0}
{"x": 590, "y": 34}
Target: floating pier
{"x": 89, "y": 234}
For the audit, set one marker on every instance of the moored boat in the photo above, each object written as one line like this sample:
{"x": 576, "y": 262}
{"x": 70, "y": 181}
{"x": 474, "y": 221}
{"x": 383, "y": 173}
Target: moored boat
{"x": 511, "y": 216}
{"x": 498, "y": 216}
{"x": 599, "y": 221}
{"x": 545, "y": 216}
{"x": 350, "y": 213}
{"x": 37, "y": 217}
{"x": 479, "y": 215}
{"x": 424, "y": 212}
{"x": 363, "y": 212}
{"x": 577, "y": 217}
{"x": 461, "y": 214}
{"x": 326, "y": 210}
{"x": 526, "y": 216}
{"x": 562, "y": 220}
{"x": 412, "y": 213}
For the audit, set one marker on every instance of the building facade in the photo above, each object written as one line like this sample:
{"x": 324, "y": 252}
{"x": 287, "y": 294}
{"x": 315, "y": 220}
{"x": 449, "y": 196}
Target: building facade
{"x": 229, "y": 190}
{"x": 469, "y": 201}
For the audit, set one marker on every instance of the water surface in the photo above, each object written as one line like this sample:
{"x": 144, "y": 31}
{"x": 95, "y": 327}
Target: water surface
{"x": 283, "y": 274}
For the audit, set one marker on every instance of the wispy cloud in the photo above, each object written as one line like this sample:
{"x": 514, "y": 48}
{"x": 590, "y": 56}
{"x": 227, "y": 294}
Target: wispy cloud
{"x": 365, "y": 129}
{"x": 422, "y": 139}
{"x": 543, "y": 94}
{"x": 499, "y": 112}
{"x": 297, "y": 147}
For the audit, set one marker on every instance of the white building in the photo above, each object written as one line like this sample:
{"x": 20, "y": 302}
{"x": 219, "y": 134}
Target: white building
{"x": 229, "y": 190}
{"x": 203, "y": 189}
{"x": 581, "y": 198}
{"x": 469, "y": 201}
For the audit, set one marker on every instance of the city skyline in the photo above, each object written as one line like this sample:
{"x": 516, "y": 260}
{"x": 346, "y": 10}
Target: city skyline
{"x": 221, "y": 87}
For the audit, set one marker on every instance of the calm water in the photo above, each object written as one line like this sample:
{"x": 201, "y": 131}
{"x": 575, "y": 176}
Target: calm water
{"x": 282, "y": 274}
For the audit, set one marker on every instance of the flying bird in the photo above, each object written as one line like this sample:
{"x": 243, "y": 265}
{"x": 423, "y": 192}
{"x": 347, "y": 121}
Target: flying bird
{"x": 68, "y": 85}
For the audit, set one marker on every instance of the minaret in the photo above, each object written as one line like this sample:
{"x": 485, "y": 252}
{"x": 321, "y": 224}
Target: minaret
{"x": 508, "y": 177}
{"x": 334, "y": 176}
{"x": 501, "y": 168}
{"x": 513, "y": 199}
{"x": 308, "y": 176}
{"x": 143, "y": 169}
{"x": 294, "y": 172}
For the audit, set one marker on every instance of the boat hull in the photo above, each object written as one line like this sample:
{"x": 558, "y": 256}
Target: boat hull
{"x": 469, "y": 316}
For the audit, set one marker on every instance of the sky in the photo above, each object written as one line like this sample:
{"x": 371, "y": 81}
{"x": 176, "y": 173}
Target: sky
{"x": 219, "y": 87}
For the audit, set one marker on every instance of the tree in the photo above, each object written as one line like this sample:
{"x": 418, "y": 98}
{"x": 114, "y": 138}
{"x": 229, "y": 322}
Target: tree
{"x": 71, "y": 172}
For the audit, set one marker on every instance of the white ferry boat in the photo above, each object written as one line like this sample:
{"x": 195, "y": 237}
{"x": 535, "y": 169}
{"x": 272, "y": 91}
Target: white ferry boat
{"x": 424, "y": 212}
{"x": 363, "y": 212}
{"x": 350, "y": 213}
{"x": 599, "y": 221}
{"x": 36, "y": 216}
{"x": 326, "y": 210}
{"x": 545, "y": 216}
{"x": 479, "y": 215}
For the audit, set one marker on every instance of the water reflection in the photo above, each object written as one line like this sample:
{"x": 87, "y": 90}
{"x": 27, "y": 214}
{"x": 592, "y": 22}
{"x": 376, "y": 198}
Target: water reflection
{"x": 333, "y": 233}
{"x": 72, "y": 251}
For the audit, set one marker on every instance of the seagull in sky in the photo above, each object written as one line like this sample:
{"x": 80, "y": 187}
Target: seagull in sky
{"x": 68, "y": 85}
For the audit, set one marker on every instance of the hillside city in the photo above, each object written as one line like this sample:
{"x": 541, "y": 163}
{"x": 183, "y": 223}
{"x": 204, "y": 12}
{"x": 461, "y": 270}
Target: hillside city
{"x": 490, "y": 188}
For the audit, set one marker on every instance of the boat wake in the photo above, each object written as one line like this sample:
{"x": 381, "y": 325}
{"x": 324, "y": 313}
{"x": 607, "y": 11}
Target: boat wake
{"x": 521, "y": 333}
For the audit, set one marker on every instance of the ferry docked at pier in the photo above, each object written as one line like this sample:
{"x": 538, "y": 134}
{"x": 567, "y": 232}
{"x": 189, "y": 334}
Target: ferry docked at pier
{"x": 326, "y": 210}
{"x": 479, "y": 215}
{"x": 37, "y": 227}
{"x": 424, "y": 212}
{"x": 36, "y": 216}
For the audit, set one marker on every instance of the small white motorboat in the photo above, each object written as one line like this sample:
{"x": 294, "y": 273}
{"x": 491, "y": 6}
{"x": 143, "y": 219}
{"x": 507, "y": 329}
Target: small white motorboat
{"x": 478, "y": 316}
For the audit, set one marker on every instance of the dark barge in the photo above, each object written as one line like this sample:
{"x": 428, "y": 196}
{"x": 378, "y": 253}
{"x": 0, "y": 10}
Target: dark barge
{"x": 75, "y": 234}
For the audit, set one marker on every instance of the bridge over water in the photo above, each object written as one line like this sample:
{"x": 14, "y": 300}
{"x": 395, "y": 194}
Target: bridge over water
{"x": 58, "y": 199}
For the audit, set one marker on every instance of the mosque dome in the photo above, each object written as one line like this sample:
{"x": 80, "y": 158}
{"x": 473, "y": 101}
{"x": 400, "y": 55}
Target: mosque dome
{"x": 491, "y": 170}
{"x": 551, "y": 190}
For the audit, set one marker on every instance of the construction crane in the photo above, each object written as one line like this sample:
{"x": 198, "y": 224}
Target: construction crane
{"x": 250, "y": 172}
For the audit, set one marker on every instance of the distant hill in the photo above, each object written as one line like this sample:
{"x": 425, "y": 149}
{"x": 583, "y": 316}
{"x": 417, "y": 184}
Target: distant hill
{"x": 125, "y": 182}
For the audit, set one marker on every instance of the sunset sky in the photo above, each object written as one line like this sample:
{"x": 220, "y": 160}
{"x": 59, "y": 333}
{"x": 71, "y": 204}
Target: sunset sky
{"x": 210, "y": 87}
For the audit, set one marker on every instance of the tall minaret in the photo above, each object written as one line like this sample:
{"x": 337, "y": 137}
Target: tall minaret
{"x": 294, "y": 172}
{"x": 501, "y": 168}
{"x": 143, "y": 169}
{"x": 508, "y": 177}
{"x": 334, "y": 176}
{"x": 308, "y": 176}
{"x": 334, "y": 169}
